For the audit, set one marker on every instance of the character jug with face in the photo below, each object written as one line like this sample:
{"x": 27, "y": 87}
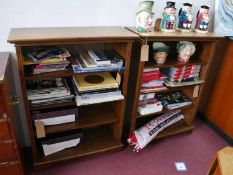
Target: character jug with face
{"x": 168, "y": 22}
{"x": 144, "y": 16}
{"x": 185, "y": 50}
{"x": 185, "y": 18}
{"x": 203, "y": 19}
{"x": 160, "y": 51}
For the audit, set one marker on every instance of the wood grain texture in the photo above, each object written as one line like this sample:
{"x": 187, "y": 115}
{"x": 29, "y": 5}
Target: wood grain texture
{"x": 169, "y": 36}
{"x": 57, "y": 34}
{"x": 219, "y": 107}
{"x": 222, "y": 163}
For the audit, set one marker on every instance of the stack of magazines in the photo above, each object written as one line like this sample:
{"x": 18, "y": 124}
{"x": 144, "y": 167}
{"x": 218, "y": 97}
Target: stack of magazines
{"x": 182, "y": 75}
{"x": 48, "y": 91}
{"x": 173, "y": 100}
{"x": 46, "y": 59}
{"x": 96, "y": 88}
{"x": 96, "y": 60}
{"x": 152, "y": 80}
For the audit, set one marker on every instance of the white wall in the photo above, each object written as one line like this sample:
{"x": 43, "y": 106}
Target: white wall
{"x": 55, "y": 13}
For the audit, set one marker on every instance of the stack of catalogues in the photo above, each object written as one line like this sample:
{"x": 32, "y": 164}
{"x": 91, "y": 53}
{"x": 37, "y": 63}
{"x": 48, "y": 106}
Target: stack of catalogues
{"x": 48, "y": 91}
{"x": 152, "y": 80}
{"x": 182, "y": 75}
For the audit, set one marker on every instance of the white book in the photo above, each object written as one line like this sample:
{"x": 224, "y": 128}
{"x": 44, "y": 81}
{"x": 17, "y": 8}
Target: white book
{"x": 58, "y": 120}
{"x": 53, "y": 148}
{"x": 87, "y": 96}
{"x": 98, "y": 100}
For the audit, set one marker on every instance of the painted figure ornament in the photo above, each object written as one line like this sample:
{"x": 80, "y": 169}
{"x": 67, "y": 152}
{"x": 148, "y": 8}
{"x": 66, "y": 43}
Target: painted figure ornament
{"x": 203, "y": 19}
{"x": 160, "y": 51}
{"x": 185, "y": 18}
{"x": 185, "y": 50}
{"x": 168, "y": 22}
{"x": 144, "y": 16}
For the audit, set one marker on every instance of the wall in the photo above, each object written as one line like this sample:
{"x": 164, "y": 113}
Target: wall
{"x": 55, "y": 13}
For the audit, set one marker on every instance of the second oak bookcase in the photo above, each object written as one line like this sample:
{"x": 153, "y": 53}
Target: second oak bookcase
{"x": 205, "y": 51}
{"x": 101, "y": 123}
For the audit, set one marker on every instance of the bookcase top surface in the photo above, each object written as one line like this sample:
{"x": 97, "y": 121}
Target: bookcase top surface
{"x": 66, "y": 34}
{"x": 4, "y": 56}
{"x": 176, "y": 35}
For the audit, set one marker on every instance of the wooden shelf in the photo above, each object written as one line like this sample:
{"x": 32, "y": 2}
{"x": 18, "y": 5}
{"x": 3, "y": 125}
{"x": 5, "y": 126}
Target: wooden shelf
{"x": 53, "y": 105}
{"x": 88, "y": 116}
{"x": 94, "y": 141}
{"x": 57, "y": 74}
{"x": 164, "y": 111}
{"x": 172, "y": 63}
{"x": 176, "y": 128}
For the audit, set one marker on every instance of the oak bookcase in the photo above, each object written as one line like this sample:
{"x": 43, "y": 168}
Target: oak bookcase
{"x": 206, "y": 45}
{"x": 102, "y": 123}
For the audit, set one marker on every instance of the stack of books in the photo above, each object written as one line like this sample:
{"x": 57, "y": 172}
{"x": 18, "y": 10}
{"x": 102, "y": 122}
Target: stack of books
{"x": 182, "y": 75}
{"x": 173, "y": 100}
{"x": 96, "y": 60}
{"x": 96, "y": 88}
{"x": 48, "y": 91}
{"x": 152, "y": 80}
{"x": 48, "y": 59}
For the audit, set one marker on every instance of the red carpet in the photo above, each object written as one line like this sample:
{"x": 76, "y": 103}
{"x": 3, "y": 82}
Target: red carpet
{"x": 196, "y": 150}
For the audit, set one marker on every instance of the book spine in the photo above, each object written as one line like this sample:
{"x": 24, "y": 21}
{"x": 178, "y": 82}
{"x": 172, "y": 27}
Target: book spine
{"x": 78, "y": 70}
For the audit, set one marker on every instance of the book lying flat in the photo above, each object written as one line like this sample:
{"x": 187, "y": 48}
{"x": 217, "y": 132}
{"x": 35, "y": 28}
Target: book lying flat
{"x": 58, "y": 144}
{"x": 95, "y": 81}
{"x": 56, "y": 117}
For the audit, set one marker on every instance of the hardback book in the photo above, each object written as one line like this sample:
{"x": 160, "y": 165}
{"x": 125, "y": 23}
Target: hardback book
{"x": 60, "y": 142}
{"x": 95, "y": 81}
{"x": 84, "y": 57}
{"x": 56, "y": 117}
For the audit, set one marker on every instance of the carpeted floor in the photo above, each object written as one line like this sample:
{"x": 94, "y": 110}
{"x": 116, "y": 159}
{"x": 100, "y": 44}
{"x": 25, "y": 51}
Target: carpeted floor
{"x": 196, "y": 150}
